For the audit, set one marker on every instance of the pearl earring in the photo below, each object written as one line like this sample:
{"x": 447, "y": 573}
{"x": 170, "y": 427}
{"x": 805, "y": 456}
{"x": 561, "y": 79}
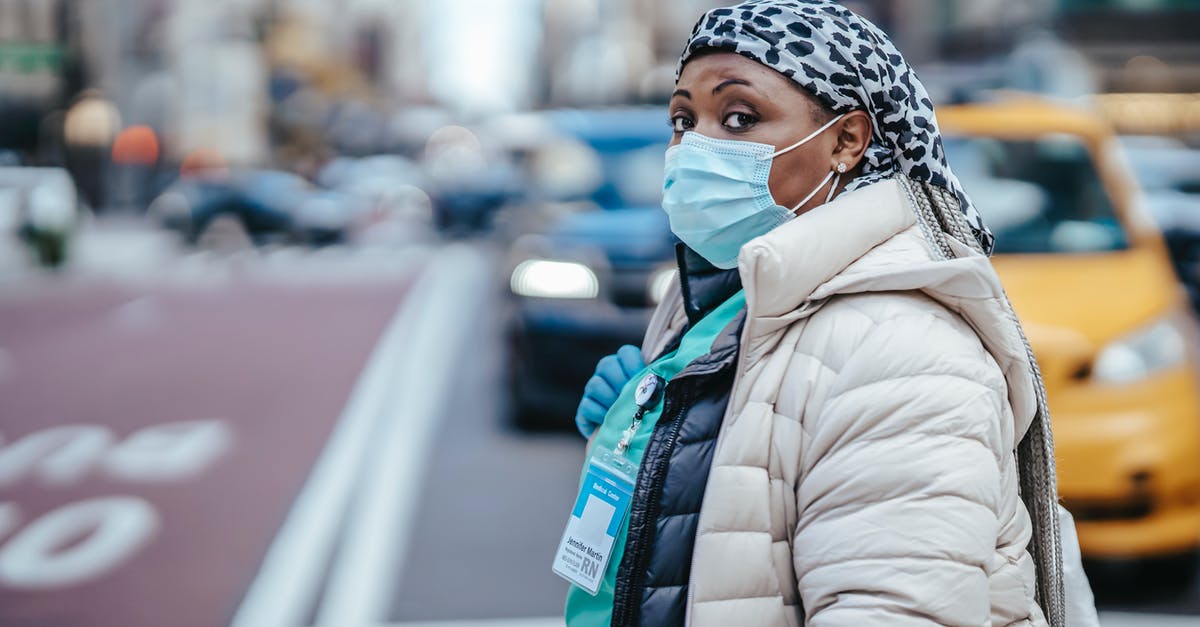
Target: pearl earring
{"x": 841, "y": 168}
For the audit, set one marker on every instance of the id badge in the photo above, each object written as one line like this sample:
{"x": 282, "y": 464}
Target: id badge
{"x": 603, "y": 502}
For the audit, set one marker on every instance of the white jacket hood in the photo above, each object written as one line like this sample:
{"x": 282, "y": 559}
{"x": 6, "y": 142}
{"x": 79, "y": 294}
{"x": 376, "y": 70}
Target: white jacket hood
{"x": 868, "y": 241}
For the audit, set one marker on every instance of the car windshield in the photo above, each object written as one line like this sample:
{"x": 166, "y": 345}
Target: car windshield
{"x": 1038, "y": 196}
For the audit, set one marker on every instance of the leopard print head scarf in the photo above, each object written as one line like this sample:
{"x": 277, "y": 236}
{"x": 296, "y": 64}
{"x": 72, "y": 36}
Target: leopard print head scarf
{"x": 847, "y": 63}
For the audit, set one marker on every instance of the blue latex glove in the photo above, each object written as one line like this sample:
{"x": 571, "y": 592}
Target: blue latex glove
{"x": 601, "y": 391}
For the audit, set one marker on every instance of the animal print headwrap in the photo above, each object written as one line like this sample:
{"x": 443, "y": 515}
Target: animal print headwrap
{"x": 847, "y": 63}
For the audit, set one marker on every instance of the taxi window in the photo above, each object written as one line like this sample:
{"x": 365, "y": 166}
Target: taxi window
{"x": 1039, "y": 196}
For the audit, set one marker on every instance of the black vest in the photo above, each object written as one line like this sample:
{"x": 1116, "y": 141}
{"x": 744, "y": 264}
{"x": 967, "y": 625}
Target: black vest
{"x": 652, "y": 580}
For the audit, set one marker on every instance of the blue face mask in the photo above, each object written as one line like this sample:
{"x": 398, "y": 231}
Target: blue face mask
{"x": 716, "y": 195}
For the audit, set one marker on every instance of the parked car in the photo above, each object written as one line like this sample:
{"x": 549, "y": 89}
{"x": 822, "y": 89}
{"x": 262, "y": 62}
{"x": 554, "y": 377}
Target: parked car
{"x": 271, "y": 206}
{"x": 396, "y": 209}
{"x": 469, "y": 178}
{"x": 1090, "y": 278}
{"x": 587, "y": 282}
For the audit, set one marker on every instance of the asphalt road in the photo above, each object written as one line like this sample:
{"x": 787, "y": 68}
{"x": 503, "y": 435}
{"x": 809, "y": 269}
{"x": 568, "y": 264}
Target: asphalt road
{"x": 493, "y": 503}
{"x": 323, "y": 437}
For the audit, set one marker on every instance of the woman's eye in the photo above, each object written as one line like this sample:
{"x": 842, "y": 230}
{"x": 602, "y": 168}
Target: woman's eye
{"x": 680, "y": 124}
{"x": 739, "y": 121}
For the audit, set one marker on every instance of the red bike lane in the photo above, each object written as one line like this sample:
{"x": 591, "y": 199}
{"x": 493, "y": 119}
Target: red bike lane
{"x": 152, "y": 441}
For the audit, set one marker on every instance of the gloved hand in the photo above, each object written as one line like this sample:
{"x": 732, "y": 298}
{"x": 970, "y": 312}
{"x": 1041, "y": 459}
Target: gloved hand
{"x": 601, "y": 391}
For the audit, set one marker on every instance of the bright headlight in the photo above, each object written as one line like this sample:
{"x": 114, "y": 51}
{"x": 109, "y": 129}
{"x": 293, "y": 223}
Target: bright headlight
{"x": 541, "y": 278}
{"x": 1159, "y": 346}
{"x": 660, "y": 282}
{"x": 51, "y": 208}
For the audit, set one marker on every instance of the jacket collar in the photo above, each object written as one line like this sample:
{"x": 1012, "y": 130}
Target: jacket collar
{"x": 782, "y": 268}
{"x": 704, "y": 285}
{"x": 869, "y": 240}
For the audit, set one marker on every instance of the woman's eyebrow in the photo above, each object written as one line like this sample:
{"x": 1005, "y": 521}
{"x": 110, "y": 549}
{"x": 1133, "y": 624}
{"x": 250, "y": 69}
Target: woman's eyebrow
{"x": 731, "y": 81}
{"x": 682, "y": 92}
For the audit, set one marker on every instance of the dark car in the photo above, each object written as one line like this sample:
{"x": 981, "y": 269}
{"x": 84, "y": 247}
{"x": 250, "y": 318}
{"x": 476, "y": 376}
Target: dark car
{"x": 271, "y": 206}
{"x": 587, "y": 282}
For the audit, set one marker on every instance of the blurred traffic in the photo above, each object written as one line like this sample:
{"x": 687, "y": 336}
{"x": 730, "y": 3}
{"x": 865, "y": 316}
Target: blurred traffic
{"x": 297, "y": 297}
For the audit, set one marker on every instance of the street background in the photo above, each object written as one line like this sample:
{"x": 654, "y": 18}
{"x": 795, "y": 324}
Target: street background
{"x": 296, "y": 295}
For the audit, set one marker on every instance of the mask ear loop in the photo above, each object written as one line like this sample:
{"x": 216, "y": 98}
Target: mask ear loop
{"x": 836, "y": 178}
{"x": 833, "y": 188}
{"x": 806, "y": 139}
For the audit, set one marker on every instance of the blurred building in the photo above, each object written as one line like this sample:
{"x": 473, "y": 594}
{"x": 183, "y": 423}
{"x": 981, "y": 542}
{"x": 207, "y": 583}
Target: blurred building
{"x": 1141, "y": 56}
{"x": 381, "y": 41}
{"x": 1137, "y": 45}
{"x": 40, "y": 66}
{"x": 604, "y": 52}
{"x": 1146, "y": 57}
{"x": 291, "y": 82}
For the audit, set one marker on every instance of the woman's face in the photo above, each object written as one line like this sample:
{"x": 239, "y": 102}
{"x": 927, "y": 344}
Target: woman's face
{"x": 724, "y": 95}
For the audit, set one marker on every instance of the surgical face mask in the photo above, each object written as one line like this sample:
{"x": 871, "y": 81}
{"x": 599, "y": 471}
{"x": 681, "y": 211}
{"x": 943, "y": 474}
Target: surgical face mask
{"x": 716, "y": 195}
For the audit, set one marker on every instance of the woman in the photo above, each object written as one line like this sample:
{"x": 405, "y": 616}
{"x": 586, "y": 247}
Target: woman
{"x": 841, "y": 422}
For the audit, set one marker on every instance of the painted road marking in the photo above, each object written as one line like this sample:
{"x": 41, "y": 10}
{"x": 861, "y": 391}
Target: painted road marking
{"x": 288, "y": 580}
{"x": 364, "y": 578}
{"x": 93, "y": 413}
{"x": 415, "y": 355}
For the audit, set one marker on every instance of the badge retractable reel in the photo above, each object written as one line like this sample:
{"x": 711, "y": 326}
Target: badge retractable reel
{"x": 603, "y": 501}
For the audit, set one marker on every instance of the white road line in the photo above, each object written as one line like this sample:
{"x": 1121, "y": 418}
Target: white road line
{"x": 553, "y": 621}
{"x": 1107, "y": 619}
{"x": 288, "y": 579}
{"x": 1129, "y": 619}
{"x": 364, "y": 578}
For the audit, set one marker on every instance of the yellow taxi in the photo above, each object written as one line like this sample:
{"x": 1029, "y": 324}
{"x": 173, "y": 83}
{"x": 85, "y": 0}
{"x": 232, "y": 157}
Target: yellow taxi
{"x": 1089, "y": 276}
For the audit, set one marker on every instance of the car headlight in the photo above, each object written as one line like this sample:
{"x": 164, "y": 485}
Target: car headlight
{"x": 660, "y": 282}
{"x": 542, "y": 278}
{"x": 1160, "y": 346}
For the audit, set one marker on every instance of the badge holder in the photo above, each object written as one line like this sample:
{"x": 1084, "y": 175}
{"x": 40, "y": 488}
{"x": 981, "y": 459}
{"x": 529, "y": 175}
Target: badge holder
{"x": 603, "y": 502}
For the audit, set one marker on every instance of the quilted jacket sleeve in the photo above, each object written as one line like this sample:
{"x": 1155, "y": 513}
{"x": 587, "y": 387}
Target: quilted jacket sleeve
{"x": 899, "y": 489}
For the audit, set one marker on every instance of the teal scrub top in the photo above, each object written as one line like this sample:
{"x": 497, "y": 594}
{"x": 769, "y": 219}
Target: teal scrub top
{"x": 583, "y": 609}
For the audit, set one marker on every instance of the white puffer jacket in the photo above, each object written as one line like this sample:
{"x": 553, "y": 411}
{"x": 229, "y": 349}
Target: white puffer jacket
{"x": 865, "y": 473}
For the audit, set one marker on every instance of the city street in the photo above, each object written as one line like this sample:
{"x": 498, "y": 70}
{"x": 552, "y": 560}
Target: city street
{"x": 276, "y": 276}
{"x": 207, "y": 441}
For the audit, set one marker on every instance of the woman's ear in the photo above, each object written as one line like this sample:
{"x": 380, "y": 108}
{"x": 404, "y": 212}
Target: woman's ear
{"x": 854, "y": 136}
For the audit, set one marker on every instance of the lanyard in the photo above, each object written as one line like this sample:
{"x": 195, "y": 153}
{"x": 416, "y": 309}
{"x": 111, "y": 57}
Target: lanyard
{"x": 643, "y": 397}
